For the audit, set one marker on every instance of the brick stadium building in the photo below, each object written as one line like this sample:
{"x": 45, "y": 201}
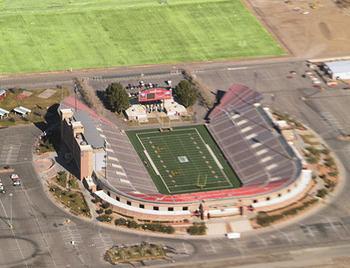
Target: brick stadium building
{"x": 271, "y": 170}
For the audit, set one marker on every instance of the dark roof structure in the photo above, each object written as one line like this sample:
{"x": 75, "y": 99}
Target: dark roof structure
{"x": 92, "y": 136}
{"x": 257, "y": 152}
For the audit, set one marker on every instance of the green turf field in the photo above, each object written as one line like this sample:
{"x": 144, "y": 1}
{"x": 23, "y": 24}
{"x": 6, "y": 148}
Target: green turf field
{"x": 48, "y": 35}
{"x": 183, "y": 160}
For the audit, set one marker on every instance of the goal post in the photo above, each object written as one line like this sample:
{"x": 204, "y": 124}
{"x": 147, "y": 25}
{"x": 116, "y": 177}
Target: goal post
{"x": 202, "y": 182}
{"x": 165, "y": 122}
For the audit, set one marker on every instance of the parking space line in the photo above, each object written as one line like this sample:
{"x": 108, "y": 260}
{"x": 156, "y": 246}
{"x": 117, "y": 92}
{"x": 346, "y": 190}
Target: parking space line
{"x": 309, "y": 230}
{"x": 334, "y": 227}
{"x": 262, "y": 240}
{"x": 185, "y": 248}
{"x": 212, "y": 247}
{"x": 287, "y": 236}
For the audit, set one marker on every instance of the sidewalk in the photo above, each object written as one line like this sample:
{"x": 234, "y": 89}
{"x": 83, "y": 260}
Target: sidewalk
{"x": 88, "y": 198}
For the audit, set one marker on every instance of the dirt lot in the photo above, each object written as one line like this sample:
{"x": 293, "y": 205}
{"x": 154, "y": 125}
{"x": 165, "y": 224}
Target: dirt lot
{"x": 324, "y": 32}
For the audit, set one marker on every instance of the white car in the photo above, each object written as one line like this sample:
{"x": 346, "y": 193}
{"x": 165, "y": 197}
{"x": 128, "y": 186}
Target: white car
{"x": 14, "y": 177}
{"x": 16, "y": 183}
{"x": 316, "y": 81}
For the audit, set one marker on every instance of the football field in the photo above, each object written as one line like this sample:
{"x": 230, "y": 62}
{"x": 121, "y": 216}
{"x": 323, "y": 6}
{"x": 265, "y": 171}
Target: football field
{"x": 183, "y": 160}
{"x": 49, "y": 35}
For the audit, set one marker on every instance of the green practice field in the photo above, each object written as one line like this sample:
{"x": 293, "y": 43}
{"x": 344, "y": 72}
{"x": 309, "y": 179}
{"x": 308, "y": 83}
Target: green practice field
{"x": 48, "y": 35}
{"x": 183, "y": 160}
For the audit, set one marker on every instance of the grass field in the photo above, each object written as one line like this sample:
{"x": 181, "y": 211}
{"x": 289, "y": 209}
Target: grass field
{"x": 183, "y": 160}
{"x": 38, "y": 35}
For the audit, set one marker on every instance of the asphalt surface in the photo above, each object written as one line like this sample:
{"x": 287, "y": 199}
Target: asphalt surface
{"x": 41, "y": 238}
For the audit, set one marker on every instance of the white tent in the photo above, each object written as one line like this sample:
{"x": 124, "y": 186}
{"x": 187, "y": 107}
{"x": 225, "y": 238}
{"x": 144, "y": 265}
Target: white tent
{"x": 339, "y": 69}
{"x": 22, "y": 110}
{"x": 3, "y": 113}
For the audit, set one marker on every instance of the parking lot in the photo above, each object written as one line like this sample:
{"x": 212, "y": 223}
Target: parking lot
{"x": 297, "y": 95}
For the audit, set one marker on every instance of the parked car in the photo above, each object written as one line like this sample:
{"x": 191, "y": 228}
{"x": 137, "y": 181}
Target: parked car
{"x": 14, "y": 177}
{"x": 2, "y": 191}
{"x": 17, "y": 183}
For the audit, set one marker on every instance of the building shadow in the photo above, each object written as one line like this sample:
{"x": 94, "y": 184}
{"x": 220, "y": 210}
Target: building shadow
{"x": 219, "y": 94}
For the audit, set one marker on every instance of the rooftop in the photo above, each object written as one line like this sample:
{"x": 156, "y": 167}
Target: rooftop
{"x": 91, "y": 134}
{"x": 339, "y": 66}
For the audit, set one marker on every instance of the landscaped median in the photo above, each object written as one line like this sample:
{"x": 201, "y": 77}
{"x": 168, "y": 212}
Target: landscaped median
{"x": 135, "y": 253}
{"x": 72, "y": 199}
{"x": 266, "y": 218}
{"x": 107, "y": 215}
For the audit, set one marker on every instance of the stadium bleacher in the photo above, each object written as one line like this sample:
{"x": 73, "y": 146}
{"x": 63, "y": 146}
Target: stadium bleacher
{"x": 255, "y": 150}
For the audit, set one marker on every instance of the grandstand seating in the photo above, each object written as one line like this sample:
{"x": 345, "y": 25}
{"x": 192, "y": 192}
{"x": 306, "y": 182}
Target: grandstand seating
{"x": 252, "y": 147}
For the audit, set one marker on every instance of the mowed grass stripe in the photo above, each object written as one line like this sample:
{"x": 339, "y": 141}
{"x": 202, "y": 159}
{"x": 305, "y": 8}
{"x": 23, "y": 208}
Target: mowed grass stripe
{"x": 173, "y": 141}
{"x": 182, "y": 145}
{"x": 171, "y": 156}
{"x": 174, "y": 165}
{"x": 150, "y": 34}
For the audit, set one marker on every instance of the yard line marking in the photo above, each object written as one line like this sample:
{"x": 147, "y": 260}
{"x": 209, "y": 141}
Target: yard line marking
{"x": 180, "y": 147}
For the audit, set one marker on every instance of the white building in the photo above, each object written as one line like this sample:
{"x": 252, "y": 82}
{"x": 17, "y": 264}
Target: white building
{"x": 22, "y": 110}
{"x": 136, "y": 112}
{"x": 338, "y": 69}
{"x": 174, "y": 108}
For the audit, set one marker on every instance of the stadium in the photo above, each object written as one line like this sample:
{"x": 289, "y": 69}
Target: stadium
{"x": 236, "y": 162}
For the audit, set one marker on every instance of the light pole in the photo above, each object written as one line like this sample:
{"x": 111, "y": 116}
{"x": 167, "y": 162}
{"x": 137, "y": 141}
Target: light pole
{"x": 11, "y": 210}
{"x": 273, "y": 101}
{"x": 105, "y": 159}
{"x": 75, "y": 100}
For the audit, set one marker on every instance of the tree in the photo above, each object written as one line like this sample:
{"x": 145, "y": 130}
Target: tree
{"x": 197, "y": 229}
{"x": 108, "y": 211}
{"x": 185, "y": 93}
{"x": 105, "y": 205}
{"x": 322, "y": 193}
{"x": 116, "y": 97}
{"x": 121, "y": 221}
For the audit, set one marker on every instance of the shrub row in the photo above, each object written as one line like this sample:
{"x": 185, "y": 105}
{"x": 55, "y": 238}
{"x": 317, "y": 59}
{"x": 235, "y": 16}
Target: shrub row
{"x": 197, "y": 229}
{"x": 156, "y": 227}
{"x": 322, "y": 193}
{"x": 264, "y": 220}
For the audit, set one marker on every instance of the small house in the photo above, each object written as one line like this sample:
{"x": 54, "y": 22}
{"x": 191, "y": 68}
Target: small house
{"x": 3, "y": 94}
{"x": 3, "y": 113}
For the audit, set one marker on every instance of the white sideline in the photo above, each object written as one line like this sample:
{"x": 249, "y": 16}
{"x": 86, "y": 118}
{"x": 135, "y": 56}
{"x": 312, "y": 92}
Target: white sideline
{"x": 213, "y": 156}
{"x": 152, "y": 164}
